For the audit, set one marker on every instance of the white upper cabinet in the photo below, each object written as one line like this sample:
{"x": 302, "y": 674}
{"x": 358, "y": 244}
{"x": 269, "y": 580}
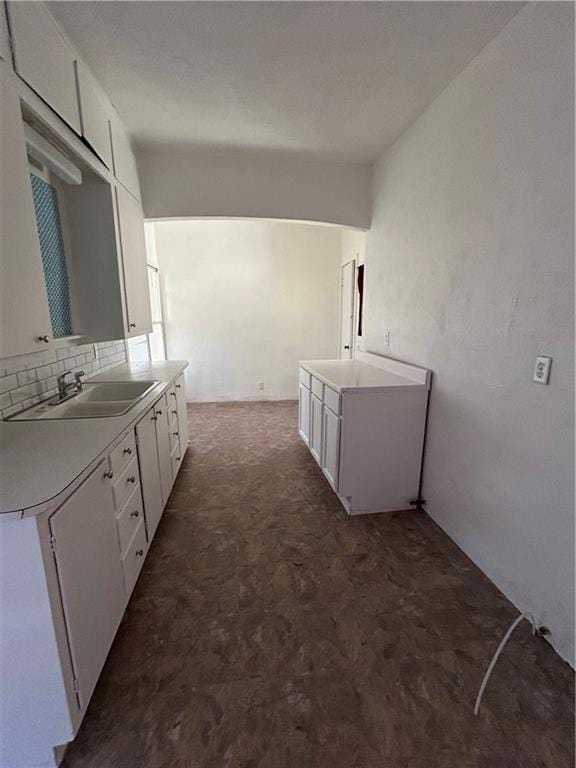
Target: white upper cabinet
{"x": 24, "y": 317}
{"x": 125, "y": 168}
{"x": 133, "y": 246}
{"x": 94, "y": 114}
{"x": 44, "y": 59}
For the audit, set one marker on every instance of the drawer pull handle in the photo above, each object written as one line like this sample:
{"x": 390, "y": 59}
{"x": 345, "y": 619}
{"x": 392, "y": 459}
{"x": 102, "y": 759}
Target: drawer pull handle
{"x": 174, "y": 412}
{"x": 109, "y": 475}
{"x": 175, "y": 433}
{"x": 177, "y": 458}
{"x": 139, "y": 552}
{"x": 131, "y": 479}
{"x": 135, "y": 513}
{"x": 159, "y": 413}
{"x": 44, "y": 338}
{"x": 173, "y": 394}
{"x": 178, "y": 386}
{"x": 128, "y": 451}
{"x": 131, "y": 325}
{"x": 153, "y": 418}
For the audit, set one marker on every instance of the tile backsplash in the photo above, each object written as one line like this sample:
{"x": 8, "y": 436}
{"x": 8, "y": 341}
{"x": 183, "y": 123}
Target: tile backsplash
{"x": 26, "y": 380}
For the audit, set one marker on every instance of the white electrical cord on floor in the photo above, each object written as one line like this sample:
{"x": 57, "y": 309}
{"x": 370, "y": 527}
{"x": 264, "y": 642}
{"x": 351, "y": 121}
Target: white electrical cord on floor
{"x": 528, "y": 617}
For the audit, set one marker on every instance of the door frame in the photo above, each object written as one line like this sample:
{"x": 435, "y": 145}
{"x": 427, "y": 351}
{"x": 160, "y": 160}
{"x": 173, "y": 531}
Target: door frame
{"x": 353, "y": 308}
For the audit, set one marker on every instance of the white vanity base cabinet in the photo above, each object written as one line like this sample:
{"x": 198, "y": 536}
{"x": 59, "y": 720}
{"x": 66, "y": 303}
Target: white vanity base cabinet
{"x": 365, "y": 427}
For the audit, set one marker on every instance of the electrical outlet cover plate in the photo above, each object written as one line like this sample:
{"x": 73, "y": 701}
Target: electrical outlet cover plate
{"x": 542, "y": 370}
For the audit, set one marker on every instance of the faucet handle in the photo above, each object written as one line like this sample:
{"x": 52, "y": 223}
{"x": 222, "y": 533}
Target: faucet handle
{"x": 62, "y": 376}
{"x": 78, "y": 379}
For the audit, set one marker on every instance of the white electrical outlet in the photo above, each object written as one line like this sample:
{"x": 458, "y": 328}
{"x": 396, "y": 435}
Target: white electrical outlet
{"x": 387, "y": 333}
{"x": 542, "y": 370}
{"x": 261, "y": 385}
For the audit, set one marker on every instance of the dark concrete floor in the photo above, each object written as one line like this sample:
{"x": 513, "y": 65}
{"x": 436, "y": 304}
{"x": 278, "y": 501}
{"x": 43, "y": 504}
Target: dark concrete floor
{"x": 270, "y": 630}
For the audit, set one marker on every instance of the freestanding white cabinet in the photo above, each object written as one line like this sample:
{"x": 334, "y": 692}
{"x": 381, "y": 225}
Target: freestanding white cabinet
{"x": 364, "y": 422}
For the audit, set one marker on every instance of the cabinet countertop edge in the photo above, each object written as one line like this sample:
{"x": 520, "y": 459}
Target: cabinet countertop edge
{"x": 345, "y": 376}
{"x": 41, "y": 460}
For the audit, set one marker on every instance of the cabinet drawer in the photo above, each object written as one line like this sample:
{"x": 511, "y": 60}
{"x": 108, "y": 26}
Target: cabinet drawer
{"x": 125, "y": 484}
{"x": 174, "y": 439}
{"x": 134, "y": 557}
{"x": 317, "y": 388}
{"x": 332, "y": 400}
{"x": 305, "y": 378}
{"x": 123, "y": 454}
{"x": 129, "y": 518}
{"x": 175, "y": 459}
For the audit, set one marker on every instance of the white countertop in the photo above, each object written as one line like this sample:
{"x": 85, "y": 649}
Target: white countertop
{"x": 40, "y": 459}
{"x": 350, "y": 375}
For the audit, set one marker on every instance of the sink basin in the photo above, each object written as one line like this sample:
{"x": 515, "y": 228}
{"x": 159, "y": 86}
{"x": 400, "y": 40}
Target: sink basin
{"x": 95, "y": 401}
{"x": 104, "y": 392}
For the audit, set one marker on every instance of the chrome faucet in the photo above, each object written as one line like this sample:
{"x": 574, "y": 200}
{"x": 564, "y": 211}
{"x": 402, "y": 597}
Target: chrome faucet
{"x": 64, "y": 386}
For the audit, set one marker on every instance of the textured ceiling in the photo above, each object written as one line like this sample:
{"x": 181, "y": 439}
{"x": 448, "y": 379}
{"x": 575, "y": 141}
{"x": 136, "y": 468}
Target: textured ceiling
{"x": 336, "y": 80}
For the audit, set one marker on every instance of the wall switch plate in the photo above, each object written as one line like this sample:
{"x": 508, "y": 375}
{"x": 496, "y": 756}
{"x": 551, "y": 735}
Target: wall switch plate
{"x": 260, "y": 385}
{"x": 387, "y": 333}
{"x": 542, "y": 370}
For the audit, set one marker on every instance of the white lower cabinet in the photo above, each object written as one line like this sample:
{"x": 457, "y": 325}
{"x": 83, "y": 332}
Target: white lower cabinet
{"x": 68, "y": 574}
{"x": 304, "y": 412}
{"x": 364, "y": 423}
{"x": 330, "y": 445}
{"x": 90, "y": 576}
{"x": 315, "y": 441}
{"x": 133, "y": 558}
{"x": 161, "y": 413}
{"x": 150, "y": 471}
{"x": 182, "y": 413}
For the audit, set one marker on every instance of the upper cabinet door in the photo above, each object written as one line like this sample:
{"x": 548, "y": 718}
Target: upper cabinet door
{"x": 44, "y": 59}
{"x": 24, "y": 317}
{"x": 131, "y": 226}
{"x": 125, "y": 168}
{"x": 94, "y": 114}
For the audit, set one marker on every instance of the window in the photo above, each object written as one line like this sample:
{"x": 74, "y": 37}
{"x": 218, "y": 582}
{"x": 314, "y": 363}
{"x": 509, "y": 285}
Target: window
{"x": 53, "y": 255}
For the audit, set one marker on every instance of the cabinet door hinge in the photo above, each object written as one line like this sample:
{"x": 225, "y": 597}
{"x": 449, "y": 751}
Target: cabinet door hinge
{"x": 136, "y": 438}
{"x": 53, "y": 544}
{"x": 76, "y": 685}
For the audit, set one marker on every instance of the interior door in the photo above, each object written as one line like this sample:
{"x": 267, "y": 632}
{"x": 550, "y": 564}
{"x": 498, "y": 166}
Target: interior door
{"x": 90, "y": 575}
{"x": 150, "y": 471}
{"x": 347, "y": 276}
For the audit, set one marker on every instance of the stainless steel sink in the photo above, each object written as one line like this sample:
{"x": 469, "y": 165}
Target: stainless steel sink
{"x": 97, "y": 400}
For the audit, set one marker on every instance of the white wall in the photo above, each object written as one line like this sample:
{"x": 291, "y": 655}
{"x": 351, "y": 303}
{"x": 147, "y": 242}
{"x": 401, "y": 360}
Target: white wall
{"x": 249, "y": 186}
{"x": 245, "y": 300}
{"x": 470, "y": 264}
